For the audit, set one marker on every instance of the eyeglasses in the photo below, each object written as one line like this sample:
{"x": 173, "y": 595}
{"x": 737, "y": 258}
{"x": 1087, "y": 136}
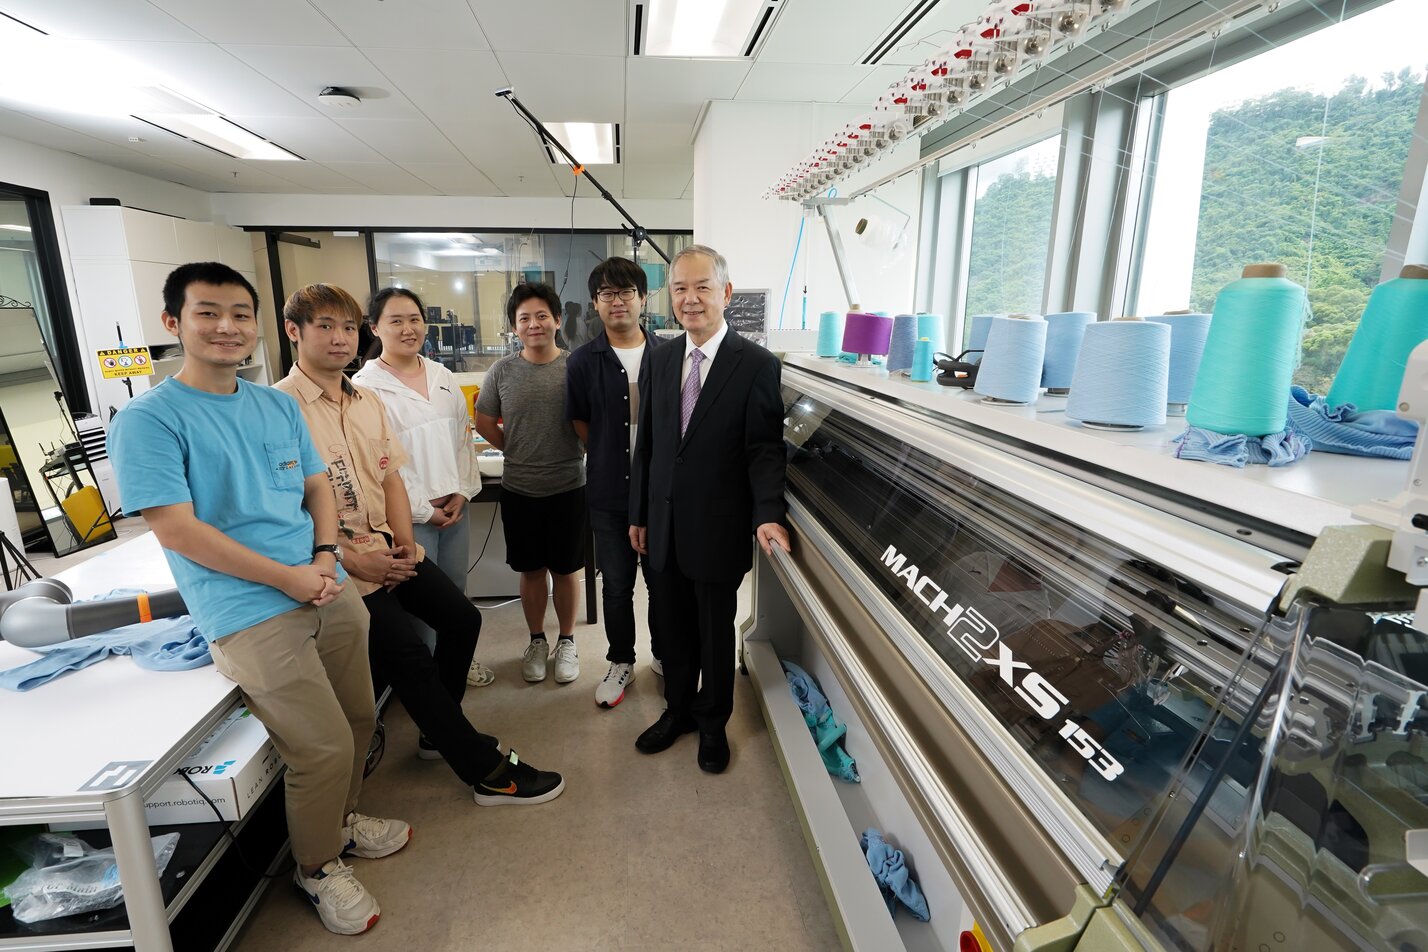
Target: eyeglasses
{"x": 606, "y": 296}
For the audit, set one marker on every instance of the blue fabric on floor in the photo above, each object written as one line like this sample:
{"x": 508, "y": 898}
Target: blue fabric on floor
{"x": 1236, "y": 449}
{"x": 164, "y": 644}
{"x": 826, "y": 729}
{"x": 894, "y": 880}
{"x": 1343, "y": 429}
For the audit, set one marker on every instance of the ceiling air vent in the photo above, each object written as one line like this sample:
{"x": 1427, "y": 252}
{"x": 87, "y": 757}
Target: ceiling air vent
{"x": 889, "y": 41}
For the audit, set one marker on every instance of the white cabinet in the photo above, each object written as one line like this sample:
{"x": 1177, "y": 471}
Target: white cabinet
{"x": 119, "y": 259}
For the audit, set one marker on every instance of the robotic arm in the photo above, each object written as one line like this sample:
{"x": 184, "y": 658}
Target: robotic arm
{"x": 42, "y": 613}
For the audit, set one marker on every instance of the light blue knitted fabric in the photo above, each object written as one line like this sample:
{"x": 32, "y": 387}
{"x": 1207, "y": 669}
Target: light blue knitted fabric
{"x": 895, "y": 882}
{"x": 1237, "y": 449}
{"x": 1343, "y": 429}
{"x": 826, "y": 729}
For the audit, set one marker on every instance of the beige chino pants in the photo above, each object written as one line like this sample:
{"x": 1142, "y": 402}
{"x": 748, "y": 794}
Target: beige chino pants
{"x": 305, "y": 675}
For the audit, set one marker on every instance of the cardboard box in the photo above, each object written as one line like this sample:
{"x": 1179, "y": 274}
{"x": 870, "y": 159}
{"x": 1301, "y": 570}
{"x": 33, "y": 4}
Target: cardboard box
{"x": 233, "y": 765}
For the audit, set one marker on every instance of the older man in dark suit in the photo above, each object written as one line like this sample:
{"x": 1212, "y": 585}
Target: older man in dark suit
{"x": 708, "y": 474}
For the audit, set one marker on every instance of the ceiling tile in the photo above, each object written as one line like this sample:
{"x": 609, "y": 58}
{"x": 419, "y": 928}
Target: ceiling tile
{"x": 829, "y": 31}
{"x": 315, "y": 139}
{"x": 657, "y": 180}
{"x": 555, "y": 26}
{"x": 315, "y": 177}
{"x": 531, "y": 181}
{"x": 255, "y": 21}
{"x": 568, "y": 88}
{"x": 673, "y": 90}
{"x": 800, "y": 82}
{"x": 304, "y": 70}
{"x": 408, "y": 24}
{"x": 383, "y": 178}
{"x": 217, "y": 78}
{"x": 403, "y": 140}
{"x": 874, "y": 85}
{"x": 462, "y": 179}
{"x": 101, "y": 19}
{"x": 449, "y": 87}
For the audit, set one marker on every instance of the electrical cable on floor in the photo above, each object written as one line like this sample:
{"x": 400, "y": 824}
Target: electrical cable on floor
{"x": 494, "y": 513}
{"x": 228, "y": 831}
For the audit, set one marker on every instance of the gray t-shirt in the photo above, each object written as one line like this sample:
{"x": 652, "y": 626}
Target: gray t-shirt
{"x": 543, "y": 454}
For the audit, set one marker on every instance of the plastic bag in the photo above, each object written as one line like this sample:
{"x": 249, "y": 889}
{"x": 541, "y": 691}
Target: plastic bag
{"x": 68, "y": 876}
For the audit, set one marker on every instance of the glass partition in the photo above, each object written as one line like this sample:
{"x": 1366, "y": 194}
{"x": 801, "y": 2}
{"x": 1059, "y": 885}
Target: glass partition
{"x": 465, "y": 278}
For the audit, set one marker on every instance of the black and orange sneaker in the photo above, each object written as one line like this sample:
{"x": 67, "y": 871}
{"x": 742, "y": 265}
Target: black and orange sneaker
{"x": 519, "y": 783}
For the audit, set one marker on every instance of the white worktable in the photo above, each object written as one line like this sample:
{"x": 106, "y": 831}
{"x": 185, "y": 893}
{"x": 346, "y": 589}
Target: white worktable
{"x": 94, "y": 743}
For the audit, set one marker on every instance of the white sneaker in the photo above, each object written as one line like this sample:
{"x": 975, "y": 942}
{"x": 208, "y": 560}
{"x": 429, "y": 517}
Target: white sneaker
{"x": 611, "y": 691}
{"x": 371, "y": 838}
{"x": 567, "y": 661}
{"x": 533, "y": 661}
{"x": 342, "y": 903}
{"x": 657, "y": 667}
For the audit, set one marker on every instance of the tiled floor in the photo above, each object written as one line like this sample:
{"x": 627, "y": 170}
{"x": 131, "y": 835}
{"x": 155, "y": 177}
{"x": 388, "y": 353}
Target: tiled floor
{"x": 640, "y": 853}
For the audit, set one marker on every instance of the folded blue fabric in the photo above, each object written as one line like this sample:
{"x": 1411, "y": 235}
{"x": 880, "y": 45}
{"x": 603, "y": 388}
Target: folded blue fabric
{"x": 1237, "y": 449}
{"x": 165, "y": 644}
{"x": 1343, "y": 429}
{"x": 894, "y": 880}
{"x": 826, "y": 729}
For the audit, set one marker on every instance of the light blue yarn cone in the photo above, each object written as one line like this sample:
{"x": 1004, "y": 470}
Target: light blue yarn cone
{"x": 922, "y": 361}
{"x": 934, "y": 328}
{"x": 1188, "y": 333}
{"x": 977, "y": 337}
{"x": 830, "y": 334}
{"x": 904, "y": 338}
{"x": 1063, "y": 344}
{"x": 1011, "y": 367}
{"x": 1122, "y": 375}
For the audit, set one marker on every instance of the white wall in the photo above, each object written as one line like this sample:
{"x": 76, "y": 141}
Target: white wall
{"x": 742, "y": 148}
{"x": 434, "y": 211}
{"x": 72, "y": 180}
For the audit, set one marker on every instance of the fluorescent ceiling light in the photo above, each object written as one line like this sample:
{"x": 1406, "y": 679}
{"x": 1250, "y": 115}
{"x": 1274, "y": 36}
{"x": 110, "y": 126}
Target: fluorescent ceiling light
{"x": 219, "y": 134}
{"x": 15, "y": 227}
{"x": 700, "y": 27}
{"x": 592, "y": 143}
{"x": 454, "y": 253}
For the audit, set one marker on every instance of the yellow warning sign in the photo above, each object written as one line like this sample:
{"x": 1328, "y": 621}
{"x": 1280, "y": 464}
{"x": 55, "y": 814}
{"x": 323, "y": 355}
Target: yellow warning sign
{"x": 128, "y": 362}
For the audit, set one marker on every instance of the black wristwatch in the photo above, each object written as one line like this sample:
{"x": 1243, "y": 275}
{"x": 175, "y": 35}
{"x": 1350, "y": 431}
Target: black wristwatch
{"x": 334, "y": 549}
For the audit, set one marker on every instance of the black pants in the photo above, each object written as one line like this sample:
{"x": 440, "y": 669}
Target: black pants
{"x": 429, "y": 684}
{"x": 617, "y": 559}
{"x": 697, "y": 619}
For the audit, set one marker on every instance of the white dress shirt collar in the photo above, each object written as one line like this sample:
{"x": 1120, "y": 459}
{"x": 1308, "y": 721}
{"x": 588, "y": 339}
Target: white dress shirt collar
{"x": 711, "y": 346}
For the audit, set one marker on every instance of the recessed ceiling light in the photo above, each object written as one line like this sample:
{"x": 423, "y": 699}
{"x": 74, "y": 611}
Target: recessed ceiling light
{"x": 220, "y": 134}
{"x": 700, "y": 27}
{"x": 592, "y": 143}
{"x": 15, "y": 227}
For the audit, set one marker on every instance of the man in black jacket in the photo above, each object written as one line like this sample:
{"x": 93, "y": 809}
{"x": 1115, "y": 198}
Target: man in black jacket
{"x": 602, "y": 388}
{"x": 708, "y": 473}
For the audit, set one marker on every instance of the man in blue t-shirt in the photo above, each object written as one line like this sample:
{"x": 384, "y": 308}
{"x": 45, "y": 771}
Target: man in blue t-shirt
{"x": 225, "y": 474}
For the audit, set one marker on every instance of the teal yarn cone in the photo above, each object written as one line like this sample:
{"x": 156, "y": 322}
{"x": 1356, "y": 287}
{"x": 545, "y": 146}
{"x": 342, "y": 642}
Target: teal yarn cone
{"x": 933, "y": 328}
{"x": 1248, "y": 363}
{"x": 922, "y": 361}
{"x": 904, "y": 339}
{"x": 1395, "y": 322}
{"x": 1011, "y": 368}
{"x": 1121, "y": 375}
{"x": 830, "y": 334}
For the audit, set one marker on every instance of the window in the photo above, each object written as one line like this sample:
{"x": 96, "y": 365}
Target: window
{"x": 1011, "y": 230}
{"x": 1295, "y": 156}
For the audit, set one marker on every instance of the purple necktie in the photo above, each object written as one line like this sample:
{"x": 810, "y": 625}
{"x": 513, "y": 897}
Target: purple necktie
{"x": 689, "y": 396}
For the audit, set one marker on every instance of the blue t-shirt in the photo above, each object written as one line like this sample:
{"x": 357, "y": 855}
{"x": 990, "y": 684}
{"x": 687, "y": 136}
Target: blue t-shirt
{"x": 241, "y": 459}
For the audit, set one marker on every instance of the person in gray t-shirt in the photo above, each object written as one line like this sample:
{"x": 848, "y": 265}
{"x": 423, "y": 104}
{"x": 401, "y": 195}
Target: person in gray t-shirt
{"x": 521, "y": 411}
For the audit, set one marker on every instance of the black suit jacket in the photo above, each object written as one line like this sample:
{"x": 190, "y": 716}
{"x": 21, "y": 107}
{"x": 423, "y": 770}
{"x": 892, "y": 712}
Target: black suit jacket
{"x": 702, "y": 496}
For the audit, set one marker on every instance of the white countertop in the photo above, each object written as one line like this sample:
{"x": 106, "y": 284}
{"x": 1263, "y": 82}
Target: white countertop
{"x": 60, "y": 735}
{"x": 1305, "y": 496}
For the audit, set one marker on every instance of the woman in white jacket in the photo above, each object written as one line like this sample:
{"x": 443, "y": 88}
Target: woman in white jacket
{"x": 428, "y": 412}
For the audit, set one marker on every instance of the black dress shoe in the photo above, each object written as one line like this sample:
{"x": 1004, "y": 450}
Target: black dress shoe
{"x": 664, "y": 732}
{"x": 713, "y": 751}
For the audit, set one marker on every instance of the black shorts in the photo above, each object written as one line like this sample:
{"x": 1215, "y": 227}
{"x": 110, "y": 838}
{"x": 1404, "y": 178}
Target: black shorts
{"x": 544, "y": 532}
